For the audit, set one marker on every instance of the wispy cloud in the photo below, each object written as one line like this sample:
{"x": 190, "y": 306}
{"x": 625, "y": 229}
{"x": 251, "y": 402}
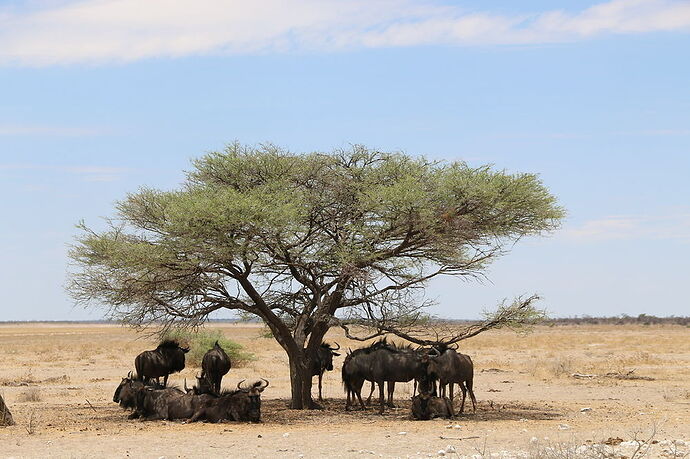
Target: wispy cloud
{"x": 51, "y": 131}
{"x": 672, "y": 226}
{"x": 126, "y": 30}
{"x": 86, "y": 173}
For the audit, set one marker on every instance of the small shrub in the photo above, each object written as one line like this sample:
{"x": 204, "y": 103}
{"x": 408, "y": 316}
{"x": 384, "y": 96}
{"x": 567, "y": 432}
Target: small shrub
{"x": 266, "y": 333}
{"x": 562, "y": 366}
{"x": 30, "y": 395}
{"x": 200, "y": 341}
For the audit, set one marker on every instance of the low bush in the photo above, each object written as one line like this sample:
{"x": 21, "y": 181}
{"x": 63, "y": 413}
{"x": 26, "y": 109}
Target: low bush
{"x": 200, "y": 341}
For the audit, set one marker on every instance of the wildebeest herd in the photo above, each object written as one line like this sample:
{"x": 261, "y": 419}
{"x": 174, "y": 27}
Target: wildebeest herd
{"x": 433, "y": 369}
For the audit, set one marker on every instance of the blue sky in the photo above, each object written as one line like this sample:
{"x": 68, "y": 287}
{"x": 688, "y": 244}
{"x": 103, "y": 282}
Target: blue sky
{"x": 98, "y": 98}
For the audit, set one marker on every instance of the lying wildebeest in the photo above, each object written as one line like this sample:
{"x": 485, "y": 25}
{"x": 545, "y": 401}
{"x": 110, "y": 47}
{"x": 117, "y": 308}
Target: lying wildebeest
{"x": 323, "y": 362}
{"x": 167, "y": 358}
{"x": 214, "y": 366}
{"x": 169, "y": 403}
{"x": 243, "y": 404}
{"x": 426, "y": 406}
{"x": 382, "y": 362}
{"x": 451, "y": 367}
{"x": 152, "y": 404}
{"x": 125, "y": 394}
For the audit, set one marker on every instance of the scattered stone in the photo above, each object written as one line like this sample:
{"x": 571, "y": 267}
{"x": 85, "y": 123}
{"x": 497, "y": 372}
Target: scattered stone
{"x": 585, "y": 410}
{"x": 563, "y": 426}
{"x": 402, "y": 433}
{"x": 285, "y": 435}
{"x": 450, "y": 449}
{"x": 613, "y": 441}
{"x": 441, "y": 452}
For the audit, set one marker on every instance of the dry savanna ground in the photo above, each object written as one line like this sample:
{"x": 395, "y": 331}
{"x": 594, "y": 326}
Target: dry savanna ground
{"x": 58, "y": 380}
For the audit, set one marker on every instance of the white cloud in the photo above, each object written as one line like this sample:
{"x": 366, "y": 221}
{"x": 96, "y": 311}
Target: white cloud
{"x": 672, "y": 226}
{"x": 126, "y": 30}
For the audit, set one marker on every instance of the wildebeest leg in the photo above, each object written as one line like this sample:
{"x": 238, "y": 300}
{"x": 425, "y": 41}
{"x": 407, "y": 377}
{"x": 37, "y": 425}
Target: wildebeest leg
{"x": 391, "y": 389}
{"x": 381, "y": 397}
{"x": 373, "y": 385}
{"x": 450, "y": 386}
{"x": 320, "y": 377}
{"x": 197, "y": 415}
{"x": 464, "y": 395}
{"x": 474, "y": 400}
{"x": 450, "y": 408}
{"x": 165, "y": 380}
{"x": 414, "y": 388}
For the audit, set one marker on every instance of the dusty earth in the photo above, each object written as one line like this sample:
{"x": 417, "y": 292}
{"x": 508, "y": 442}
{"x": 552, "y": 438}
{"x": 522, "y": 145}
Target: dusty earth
{"x": 58, "y": 380}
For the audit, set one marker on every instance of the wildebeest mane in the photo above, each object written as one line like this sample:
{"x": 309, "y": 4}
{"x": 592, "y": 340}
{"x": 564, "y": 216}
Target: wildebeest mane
{"x": 169, "y": 343}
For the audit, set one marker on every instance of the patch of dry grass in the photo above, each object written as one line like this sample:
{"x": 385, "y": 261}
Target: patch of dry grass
{"x": 32, "y": 394}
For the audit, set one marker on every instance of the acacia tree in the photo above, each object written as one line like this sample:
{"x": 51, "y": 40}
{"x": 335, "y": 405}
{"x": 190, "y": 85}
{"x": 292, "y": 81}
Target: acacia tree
{"x": 306, "y": 242}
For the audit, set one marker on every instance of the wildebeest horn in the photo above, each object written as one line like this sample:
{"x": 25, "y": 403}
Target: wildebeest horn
{"x": 262, "y": 387}
{"x": 335, "y": 348}
{"x": 435, "y": 351}
{"x": 129, "y": 375}
{"x": 186, "y": 389}
{"x": 240, "y": 383}
{"x": 456, "y": 346}
{"x": 184, "y": 349}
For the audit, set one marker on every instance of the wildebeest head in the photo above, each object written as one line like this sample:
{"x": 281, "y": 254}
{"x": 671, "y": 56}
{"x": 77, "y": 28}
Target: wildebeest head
{"x": 125, "y": 394}
{"x": 253, "y": 410}
{"x": 203, "y": 385}
{"x": 326, "y": 354}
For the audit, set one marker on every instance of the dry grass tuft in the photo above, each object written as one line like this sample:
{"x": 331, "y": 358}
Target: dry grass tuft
{"x": 32, "y": 394}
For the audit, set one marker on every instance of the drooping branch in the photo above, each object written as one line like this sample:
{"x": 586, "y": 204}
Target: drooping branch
{"x": 519, "y": 314}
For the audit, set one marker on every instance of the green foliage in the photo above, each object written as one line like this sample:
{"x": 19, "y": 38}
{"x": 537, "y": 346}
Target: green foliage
{"x": 296, "y": 227}
{"x": 201, "y": 340}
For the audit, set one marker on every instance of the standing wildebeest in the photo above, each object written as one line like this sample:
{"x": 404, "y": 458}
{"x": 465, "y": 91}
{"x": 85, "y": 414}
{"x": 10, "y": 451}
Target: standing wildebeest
{"x": 167, "y": 358}
{"x": 452, "y": 367}
{"x": 214, "y": 366}
{"x": 323, "y": 362}
{"x": 382, "y": 362}
{"x": 243, "y": 404}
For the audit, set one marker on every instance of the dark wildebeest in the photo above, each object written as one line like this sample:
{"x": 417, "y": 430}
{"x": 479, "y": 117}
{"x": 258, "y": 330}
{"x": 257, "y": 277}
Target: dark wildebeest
{"x": 382, "y": 362}
{"x": 214, "y": 366}
{"x": 323, "y": 362}
{"x": 167, "y": 358}
{"x": 125, "y": 394}
{"x": 426, "y": 406}
{"x": 451, "y": 367}
{"x": 152, "y": 404}
{"x": 243, "y": 404}
{"x": 169, "y": 403}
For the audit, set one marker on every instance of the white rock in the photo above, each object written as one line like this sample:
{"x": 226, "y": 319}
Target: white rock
{"x": 584, "y": 410}
{"x": 402, "y": 433}
{"x": 457, "y": 426}
{"x": 441, "y": 452}
{"x": 450, "y": 449}
{"x": 286, "y": 434}
{"x": 534, "y": 440}
{"x": 563, "y": 426}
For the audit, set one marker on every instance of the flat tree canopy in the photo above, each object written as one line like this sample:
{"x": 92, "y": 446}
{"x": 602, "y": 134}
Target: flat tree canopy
{"x": 306, "y": 242}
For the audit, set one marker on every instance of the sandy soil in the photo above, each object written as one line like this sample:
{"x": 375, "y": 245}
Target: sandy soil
{"x": 58, "y": 380}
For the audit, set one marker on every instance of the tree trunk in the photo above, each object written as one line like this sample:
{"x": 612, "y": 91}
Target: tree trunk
{"x": 5, "y": 415}
{"x": 300, "y": 383}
